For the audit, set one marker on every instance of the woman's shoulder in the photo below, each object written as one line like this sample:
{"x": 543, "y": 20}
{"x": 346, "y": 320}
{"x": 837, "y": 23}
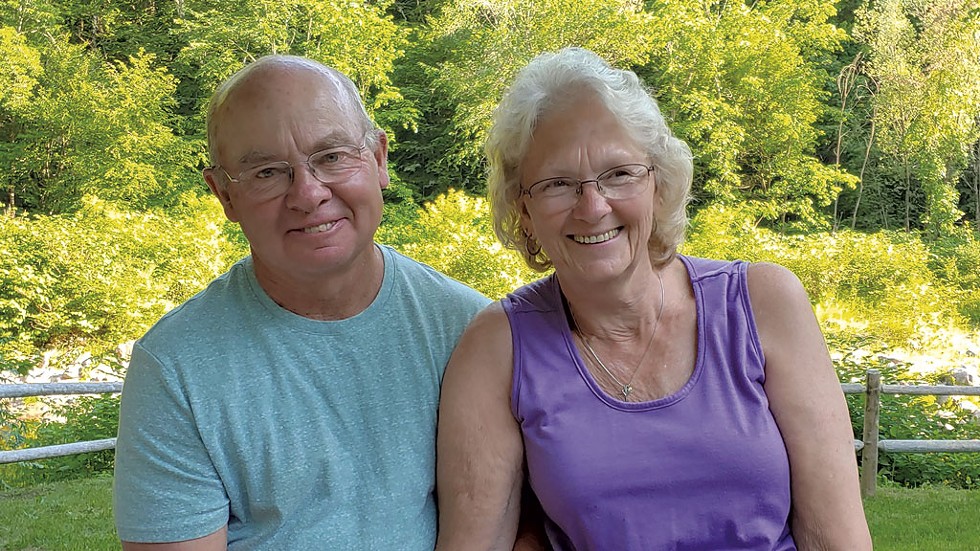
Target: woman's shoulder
{"x": 771, "y": 278}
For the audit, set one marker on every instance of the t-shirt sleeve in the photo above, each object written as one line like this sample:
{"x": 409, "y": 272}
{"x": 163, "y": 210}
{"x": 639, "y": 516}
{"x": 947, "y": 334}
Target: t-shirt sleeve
{"x": 165, "y": 488}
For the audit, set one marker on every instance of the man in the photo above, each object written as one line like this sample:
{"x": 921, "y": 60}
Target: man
{"x": 292, "y": 404}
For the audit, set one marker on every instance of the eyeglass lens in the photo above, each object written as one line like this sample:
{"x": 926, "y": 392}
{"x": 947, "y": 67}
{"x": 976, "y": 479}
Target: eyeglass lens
{"x": 330, "y": 166}
{"x": 621, "y": 182}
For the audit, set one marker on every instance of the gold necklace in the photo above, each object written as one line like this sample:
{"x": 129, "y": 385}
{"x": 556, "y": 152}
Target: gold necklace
{"x": 626, "y": 388}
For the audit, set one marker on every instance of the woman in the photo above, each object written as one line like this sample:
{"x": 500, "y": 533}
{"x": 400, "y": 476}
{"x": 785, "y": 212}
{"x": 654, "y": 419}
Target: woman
{"x": 654, "y": 401}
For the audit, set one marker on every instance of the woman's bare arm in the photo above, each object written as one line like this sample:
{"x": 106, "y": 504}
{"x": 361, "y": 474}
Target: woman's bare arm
{"x": 480, "y": 452}
{"x": 806, "y": 400}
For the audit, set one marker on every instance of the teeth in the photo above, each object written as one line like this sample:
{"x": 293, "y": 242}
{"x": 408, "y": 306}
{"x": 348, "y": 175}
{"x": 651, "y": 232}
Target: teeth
{"x": 596, "y": 238}
{"x": 319, "y": 229}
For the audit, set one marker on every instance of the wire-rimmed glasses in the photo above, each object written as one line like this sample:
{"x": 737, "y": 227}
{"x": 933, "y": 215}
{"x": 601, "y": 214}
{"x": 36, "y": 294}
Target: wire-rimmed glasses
{"x": 331, "y": 166}
{"x": 620, "y": 182}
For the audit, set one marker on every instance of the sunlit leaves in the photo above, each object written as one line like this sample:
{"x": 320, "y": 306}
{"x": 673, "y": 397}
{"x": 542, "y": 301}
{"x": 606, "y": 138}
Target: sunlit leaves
{"x": 355, "y": 37}
{"x": 101, "y": 276}
{"x": 743, "y": 84}
{"x": 454, "y": 235}
{"x": 19, "y": 65}
{"x": 100, "y": 129}
{"x": 925, "y": 59}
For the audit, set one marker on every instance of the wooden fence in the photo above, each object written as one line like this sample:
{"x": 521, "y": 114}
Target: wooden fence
{"x": 869, "y": 447}
{"x": 53, "y": 389}
{"x": 872, "y": 445}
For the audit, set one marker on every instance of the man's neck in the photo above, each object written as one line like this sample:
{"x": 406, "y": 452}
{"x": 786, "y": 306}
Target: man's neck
{"x": 329, "y": 296}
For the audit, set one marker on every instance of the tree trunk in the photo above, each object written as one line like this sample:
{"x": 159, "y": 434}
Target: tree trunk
{"x": 845, "y": 84}
{"x": 908, "y": 192}
{"x": 864, "y": 166}
{"x": 976, "y": 184}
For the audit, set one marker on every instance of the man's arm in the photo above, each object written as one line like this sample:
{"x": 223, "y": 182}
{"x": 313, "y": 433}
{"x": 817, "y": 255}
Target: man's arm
{"x": 165, "y": 485}
{"x": 217, "y": 541}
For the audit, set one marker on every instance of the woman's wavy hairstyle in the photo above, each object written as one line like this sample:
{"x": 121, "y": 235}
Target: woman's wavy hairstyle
{"x": 546, "y": 84}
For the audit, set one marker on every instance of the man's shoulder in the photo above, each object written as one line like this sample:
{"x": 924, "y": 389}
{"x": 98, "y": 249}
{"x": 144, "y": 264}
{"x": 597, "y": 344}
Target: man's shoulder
{"x": 213, "y": 304}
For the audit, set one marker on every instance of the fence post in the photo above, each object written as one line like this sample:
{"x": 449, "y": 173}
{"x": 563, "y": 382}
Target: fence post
{"x": 869, "y": 454}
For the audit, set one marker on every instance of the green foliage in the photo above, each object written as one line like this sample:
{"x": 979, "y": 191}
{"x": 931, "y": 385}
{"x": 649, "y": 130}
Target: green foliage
{"x": 454, "y": 235}
{"x": 743, "y": 85}
{"x": 91, "y": 280}
{"x": 18, "y": 65}
{"x": 90, "y": 128}
{"x": 468, "y": 54}
{"x": 881, "y": 282}
{"x": 80, "y": 419}
{"x": 357, "y": 38}
{"x": 956, "y": 259}
{"x": 925, "y": 61}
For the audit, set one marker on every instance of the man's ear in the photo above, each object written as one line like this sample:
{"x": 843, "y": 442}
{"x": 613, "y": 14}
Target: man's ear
{"x": 221, "y": 192}
{"x": 381, "y": 157}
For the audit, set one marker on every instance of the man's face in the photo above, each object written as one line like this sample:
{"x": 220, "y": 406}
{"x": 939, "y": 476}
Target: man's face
{"x": 312, "y": 229}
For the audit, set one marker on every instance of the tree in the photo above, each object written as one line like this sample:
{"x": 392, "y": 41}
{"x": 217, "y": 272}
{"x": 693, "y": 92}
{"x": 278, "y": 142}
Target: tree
{"x": 94, "y": 128}
{"x": 743, "y": 84}
{"x": 469, "y": 53}
{"x": 357, "y": 38}
{"x": 971, "y": 178}
{"x": 18, "y": 65}
{"x": 926, "y": 58}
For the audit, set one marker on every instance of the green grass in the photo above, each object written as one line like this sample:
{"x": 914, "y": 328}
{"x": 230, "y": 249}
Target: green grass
{"x": 933, "y": 518}
{"x": 77, "y": 515}
{"x": 62, "y": 516}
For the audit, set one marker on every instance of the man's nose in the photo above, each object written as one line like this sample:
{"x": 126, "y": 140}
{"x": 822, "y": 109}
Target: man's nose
{"x": 306, "y": 192}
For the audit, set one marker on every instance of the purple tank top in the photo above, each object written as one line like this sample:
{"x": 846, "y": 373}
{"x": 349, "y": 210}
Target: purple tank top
{"x": 704, "y": 468}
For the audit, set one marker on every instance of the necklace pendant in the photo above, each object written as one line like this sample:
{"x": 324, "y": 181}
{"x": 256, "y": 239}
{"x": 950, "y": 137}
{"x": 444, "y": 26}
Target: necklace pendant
{"x": 626, "y": 391}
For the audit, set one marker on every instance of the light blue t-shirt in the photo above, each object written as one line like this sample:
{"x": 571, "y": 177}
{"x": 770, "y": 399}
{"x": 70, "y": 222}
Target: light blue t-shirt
{"x": 299, "y": 434}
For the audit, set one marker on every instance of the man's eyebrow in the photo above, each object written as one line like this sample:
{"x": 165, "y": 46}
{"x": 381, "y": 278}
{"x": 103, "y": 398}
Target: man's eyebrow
{"x": 332, "y": 139}
{"x": 254, "y": 157}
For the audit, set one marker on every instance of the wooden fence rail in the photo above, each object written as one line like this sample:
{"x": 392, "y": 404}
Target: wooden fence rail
{"x": 53, "y": 389}
{"x": 869, "y": 447}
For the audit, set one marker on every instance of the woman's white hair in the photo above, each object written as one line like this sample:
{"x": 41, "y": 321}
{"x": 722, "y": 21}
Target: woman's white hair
{"x": 546, "y": 84}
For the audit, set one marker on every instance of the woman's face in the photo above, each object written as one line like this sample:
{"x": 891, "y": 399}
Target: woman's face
{"x": 595, "y": 239}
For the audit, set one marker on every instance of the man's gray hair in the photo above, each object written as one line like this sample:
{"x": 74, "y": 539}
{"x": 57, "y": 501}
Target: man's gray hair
{"x": 345, "y": 86}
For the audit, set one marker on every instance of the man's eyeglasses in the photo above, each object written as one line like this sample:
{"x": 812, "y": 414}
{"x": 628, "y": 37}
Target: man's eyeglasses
{"x": 332, "y": 166}
{"x": 621, "y": 182}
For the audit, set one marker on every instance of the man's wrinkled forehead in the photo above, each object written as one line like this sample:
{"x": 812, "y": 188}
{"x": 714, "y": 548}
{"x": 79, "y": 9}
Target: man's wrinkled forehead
{"x": 290, "y": 84}
{"x": 290, "y": 92}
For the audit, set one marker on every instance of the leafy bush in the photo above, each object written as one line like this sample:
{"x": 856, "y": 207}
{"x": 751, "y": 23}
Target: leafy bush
{"x": 80, "y": 419}
{"x": 884, "y": 279}
{"x": 88, "y": 281}
{"x": 956, "y": 259}
{"x": 454, "y": 235}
